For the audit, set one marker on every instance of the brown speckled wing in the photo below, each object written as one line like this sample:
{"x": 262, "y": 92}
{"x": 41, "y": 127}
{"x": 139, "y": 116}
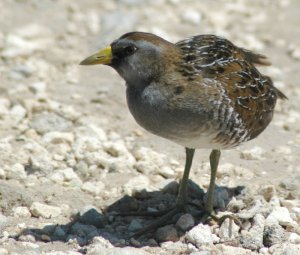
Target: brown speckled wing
{"x": 243, "y": 88}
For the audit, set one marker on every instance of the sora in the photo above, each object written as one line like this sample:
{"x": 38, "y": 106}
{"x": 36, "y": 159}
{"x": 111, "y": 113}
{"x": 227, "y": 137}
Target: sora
{"x": 202, "y": 92}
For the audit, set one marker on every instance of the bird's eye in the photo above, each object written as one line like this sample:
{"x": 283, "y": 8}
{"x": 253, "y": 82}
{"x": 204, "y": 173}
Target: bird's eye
{"x": 129, "y": 50}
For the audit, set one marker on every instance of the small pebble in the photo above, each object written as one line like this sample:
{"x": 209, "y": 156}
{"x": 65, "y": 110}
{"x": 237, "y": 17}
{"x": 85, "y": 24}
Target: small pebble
{"x": 134, "y": 225}
{"x": 21, "y": 211}
{"x": 93, "y": 217}
{"x": 166, "y": 172}
{"x": 94, "y": 188}
{"x": 18, "y": 112}
{"x": 185, "y": 222}
{"x": 136, "y": 184}
{"x": 166, "y": 233}
{"x": 3, "y": 251}
{"x": 228, "y": 229}
{"x": 268, "y": 192}
{"x": 294, "y": 238}
{"x": 274, "y": 234}
{"x": 256, "y": 153}
{"x": 45, "y": 211}
{"x": 200, "y": 235}
{"x": 282, "y": 216}
{"x": 17, "y": 172}
{"x": 253, "y": 238}
{"x": 191, "y": 16}
{"x": 47, "y": 122}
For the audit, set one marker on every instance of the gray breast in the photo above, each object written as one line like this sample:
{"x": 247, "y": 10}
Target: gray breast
{"x": 152, "y": 111}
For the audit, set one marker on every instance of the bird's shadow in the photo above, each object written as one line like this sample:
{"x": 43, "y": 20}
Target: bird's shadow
{"x": 116, "y": 228}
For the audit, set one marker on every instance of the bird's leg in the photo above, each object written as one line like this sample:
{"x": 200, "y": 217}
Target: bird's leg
{"x": 182, "y": 198}
{"x": 214, "y": 162}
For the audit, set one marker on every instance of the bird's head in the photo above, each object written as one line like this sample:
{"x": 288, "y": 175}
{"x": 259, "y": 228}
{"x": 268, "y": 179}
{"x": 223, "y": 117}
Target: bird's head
{"x": 138, "y": 57}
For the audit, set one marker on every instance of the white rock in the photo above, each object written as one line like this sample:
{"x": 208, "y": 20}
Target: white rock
{"x": 264, "y": 251}
{"x": 41, "y": 162}
{"x": 268, "y": 192}
{"x": 90, "y": 130}
{"x": 121, "y": 164}
{"x": 116, "y": 148}
{"x": 149, "y": 161}
{"x": 93, "y": 22}
{"x": 228, "y": 230}
{"x": 21, "y": 71}
{"x": 293, "y": 117}
{"x": 72, "y": 77}
{"x": 83, "y": 145}
{"x": 5, "y": 146}
{"x": 253, "y": 239}
{"x": 57, "y": 177}
{"x": 2, "y": 174}
{"x": 136, "y": 183}
{"x": 93, "y": 188}
{"x": 99, "y": 249}
{"x": 21, "y": 211}
{"x": 275, "y": 202}
{"x": 191, "y": 16}
{"x": 231, "y": 250}
{"x": 3, "y": 251}
{"x": 150, "y": 155}
{"x": 174, "y": 247}
{"x": 47, "y": 122}
{"x": 33, "y": 30}
{"x": 38, "y": 87}
{"x": 200, "y": 235}
{"x": 69, "y": 174}
{"x": 17, "y": 46}
{"x": 45, "y": 211}
{"x": 295, "y": 53}
{"x": 290, "y": 204}
{"x": 256, "y": 153}
{"x": 294, "y": 238}
{"x": 4, "y": 106}
{"x": 98, "y": 158}
{"x": 99, "y": 240}
{"x": 3, "y": 221}
{"x": 166, "y": 172}
{"x": 146, "y": 167}
{"x": 17, "y": 172}
{"x": 26, "y": 40}
{"x": 18, "y": 112}
{"x": 62, "y": 253}
{"x": 67, "y": 177}
{"x": 282, "y": 216}
{"x": 58, "y": 137}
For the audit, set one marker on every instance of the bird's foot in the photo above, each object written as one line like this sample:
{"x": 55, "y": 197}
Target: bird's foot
{"x": 144, "y": 213}
{"x": 219, "y": 220}
{"x": 166, "y": 218}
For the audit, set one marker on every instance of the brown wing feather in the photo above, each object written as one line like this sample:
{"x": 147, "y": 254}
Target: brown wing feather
{"x": 251, "y": 94}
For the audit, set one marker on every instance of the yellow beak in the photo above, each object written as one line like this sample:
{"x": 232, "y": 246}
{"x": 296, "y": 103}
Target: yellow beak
{"x": 103, "y": 57}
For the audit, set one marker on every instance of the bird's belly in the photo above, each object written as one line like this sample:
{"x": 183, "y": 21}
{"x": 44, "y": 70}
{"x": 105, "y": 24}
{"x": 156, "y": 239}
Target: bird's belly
{"x": 182, "y": 126}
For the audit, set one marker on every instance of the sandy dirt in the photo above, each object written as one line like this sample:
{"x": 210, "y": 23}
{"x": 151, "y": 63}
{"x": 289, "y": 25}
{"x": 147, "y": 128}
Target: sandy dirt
{"x": 44, "y": 158}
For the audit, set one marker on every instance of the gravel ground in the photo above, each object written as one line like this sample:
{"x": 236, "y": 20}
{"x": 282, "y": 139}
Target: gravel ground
{"x": 71, "y": 154}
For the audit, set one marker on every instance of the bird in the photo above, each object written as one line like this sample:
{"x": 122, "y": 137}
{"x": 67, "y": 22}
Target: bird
{"x": 203, "y": 92}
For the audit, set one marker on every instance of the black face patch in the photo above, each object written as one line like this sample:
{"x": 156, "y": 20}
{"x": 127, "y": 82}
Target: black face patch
{"x": 122, "y": 51}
